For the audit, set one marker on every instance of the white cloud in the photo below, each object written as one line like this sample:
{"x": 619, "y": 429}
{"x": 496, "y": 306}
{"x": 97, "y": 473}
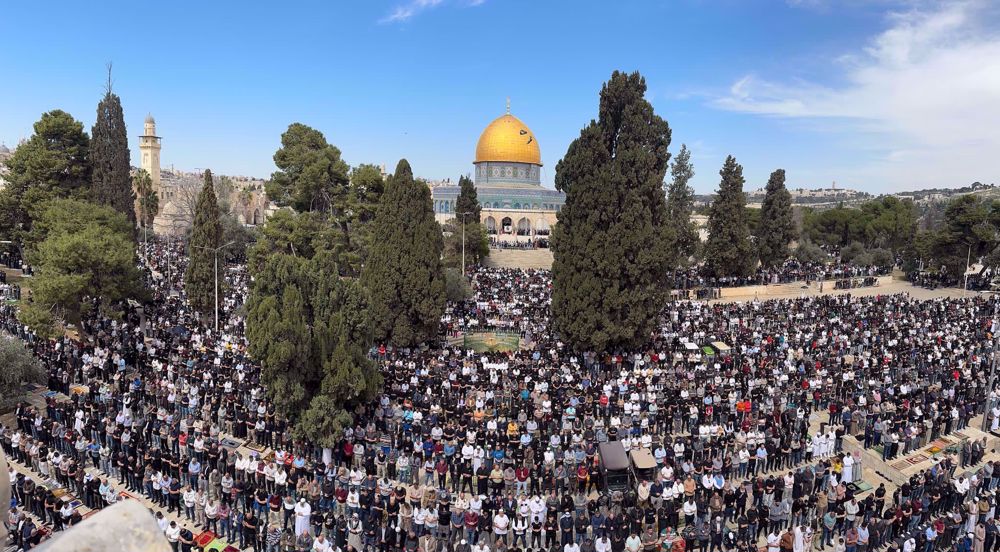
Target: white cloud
{"x": 923, "y": 95}
{"x": 405, "y": 11}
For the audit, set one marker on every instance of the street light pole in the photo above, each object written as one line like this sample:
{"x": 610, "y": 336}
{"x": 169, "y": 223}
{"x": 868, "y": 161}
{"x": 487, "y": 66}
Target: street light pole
{"x": 216, "y": 250}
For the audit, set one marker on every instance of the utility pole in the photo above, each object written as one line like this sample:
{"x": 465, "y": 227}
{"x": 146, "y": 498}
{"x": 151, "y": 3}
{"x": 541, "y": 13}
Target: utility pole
{"x": 216, "y": 250}
{"x": 968, "y": 259}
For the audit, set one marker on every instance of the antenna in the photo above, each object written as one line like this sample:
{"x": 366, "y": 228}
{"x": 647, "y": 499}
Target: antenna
{"x": 508, "y": 105}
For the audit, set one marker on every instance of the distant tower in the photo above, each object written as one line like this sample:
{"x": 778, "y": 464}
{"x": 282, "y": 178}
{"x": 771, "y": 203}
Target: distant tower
{"x": 149, "y": 145}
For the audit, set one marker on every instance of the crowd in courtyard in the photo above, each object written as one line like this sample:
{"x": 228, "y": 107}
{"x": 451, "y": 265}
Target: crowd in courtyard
{"x": 497, "y": 451}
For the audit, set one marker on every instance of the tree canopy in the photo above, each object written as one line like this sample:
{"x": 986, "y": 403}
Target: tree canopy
{"x": 206, "y": 236}
{"x": 728, "y": 251}
{"x": 149, "y": 202}
{"x": 612, "y": 243}
{"x": 311, "y": 176}
{"x": 887, "y": 222}
{"x": 309, "y": 327}
{"x": 53, "y": 163}
{"x": 84, "y": 259}
{"x": 775, "y": 235}
{"x": 111, "y": 177}
{"x": 477, "y": 243}
{"x": 680, "y": 206}
{"x": 404, "y": 274}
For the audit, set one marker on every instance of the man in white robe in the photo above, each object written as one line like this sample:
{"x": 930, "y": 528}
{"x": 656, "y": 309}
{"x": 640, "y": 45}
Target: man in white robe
{"x": 302, "y": 513}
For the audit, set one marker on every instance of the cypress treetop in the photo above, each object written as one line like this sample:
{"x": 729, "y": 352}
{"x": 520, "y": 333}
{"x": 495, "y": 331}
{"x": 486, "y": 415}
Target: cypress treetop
{"x": 612, "y": 243}
{"x": 404, "y": 274}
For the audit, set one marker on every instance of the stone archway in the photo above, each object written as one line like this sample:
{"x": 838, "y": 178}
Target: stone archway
{"x": 491, "y": 225}
{"x": 506, "y": 226}
{"x": 524, "y": 227}
{"x": 256, "y": 217}
{"x": 542, "y": 227}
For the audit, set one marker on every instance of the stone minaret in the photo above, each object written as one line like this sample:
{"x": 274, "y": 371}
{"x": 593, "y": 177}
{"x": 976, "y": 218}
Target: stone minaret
{"x": 149, "y": 145}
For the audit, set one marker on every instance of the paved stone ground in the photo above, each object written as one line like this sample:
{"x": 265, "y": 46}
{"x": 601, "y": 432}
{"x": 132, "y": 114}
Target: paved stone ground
{"x": 799, "y": 289}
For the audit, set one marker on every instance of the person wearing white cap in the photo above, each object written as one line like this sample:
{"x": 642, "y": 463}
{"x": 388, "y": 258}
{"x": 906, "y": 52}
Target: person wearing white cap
{"x": 303, "y": 511}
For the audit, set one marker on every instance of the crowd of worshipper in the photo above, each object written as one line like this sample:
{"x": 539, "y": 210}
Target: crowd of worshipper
{"x": 790, "y": 271}
{"x": 534, "y": 243}
{"x": 497, "y": 451}
{"x": 983, "y": 280}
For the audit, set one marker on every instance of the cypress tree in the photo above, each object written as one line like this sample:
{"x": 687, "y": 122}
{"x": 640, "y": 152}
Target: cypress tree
{"x": 779, "y": 229}
{"x": 729, "y": 251}
{"x": 206, "y": 235}
{"x": 112, "y": 181}
{"x": 404, "y": 274}
{"x": 680, "y": 205}
{"x": 468, "y": 201}
{"x": 612, "y": 243}
{"x": 477, "y": 245}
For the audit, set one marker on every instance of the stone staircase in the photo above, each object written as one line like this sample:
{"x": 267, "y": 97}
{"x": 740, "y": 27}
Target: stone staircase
{"x": 520, "y": 258}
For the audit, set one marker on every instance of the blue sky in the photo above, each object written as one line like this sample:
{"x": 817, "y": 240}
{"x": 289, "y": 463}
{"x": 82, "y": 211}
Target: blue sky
{"x": 878, "y": 95}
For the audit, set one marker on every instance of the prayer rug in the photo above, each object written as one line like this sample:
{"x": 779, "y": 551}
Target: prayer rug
{"x": 204, "y": 538}
{"x": 127, "y": 495}
{"x": 900, "y": 465}
{"x": 859, "y": 486}
{"x": 217, "y": 545}
{"x": 230, "y": 443}
{"x": 254, "y": 446}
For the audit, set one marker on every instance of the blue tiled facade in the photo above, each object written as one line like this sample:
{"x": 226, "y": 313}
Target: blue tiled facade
{"x": 504, "y": 185}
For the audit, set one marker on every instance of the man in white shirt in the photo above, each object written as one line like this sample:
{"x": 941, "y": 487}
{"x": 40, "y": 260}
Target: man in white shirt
{"x": 500, "y": 525}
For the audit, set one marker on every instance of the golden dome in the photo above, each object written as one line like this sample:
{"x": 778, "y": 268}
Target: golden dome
{"x": 508, "y": 139}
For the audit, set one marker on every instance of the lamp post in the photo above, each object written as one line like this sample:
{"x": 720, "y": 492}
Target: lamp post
{"x": 216, "y": 250}
{"x": 463, "y": 239}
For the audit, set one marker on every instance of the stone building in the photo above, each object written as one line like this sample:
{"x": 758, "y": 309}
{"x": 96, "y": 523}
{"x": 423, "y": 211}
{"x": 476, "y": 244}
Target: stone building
{"x": 507, "y": 175}
{"x": 178, "y": 190}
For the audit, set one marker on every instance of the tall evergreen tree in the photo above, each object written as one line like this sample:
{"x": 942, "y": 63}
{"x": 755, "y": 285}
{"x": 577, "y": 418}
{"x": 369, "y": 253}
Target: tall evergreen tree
{"x": 311, "y": 176}
{"x": 308, "y": 327}
{"x": 729, "y": 251}
{"x": 477, "y": 244}
{"x": 468, "y": 201}
{"x": 680, "y": 206}
{"x": 612, "y": 242}
{"x": 112, "y": 182}
{"x": 404, "y": 274}
{"x": 206, "y": 235}
{"x": 778, "y": 228}
{"x": 53, "y": 163}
